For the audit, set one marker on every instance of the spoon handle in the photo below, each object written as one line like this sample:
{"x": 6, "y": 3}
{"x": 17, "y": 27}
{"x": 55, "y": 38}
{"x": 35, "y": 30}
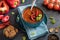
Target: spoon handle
{"x": 33, "y": 4}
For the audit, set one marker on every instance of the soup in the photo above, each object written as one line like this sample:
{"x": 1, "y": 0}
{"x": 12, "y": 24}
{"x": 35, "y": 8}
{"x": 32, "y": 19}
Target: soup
{"x": 32, "y": 16}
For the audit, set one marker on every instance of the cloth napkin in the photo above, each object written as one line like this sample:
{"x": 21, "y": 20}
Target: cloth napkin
{"x": 36, "y": 32}
{"x": 39, "y": 31}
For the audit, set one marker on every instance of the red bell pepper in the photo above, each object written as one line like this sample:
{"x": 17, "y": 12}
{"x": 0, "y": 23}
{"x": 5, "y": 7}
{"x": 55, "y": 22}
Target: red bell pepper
{"x": 37, "y": 13}
{"x": 5, "y": 19}
{"x": 6, "y": 23}
{"x": 33, "y": 17}
{"x": 4, "y": 8}
{"x": 1, "y": 16}
{"x": 13, "y": 3}
{"x": 2, "y": 26}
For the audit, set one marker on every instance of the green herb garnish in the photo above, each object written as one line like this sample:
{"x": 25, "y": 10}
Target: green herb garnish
{"x": 51, "y": 17}
{"x": 58, "y": 26}
{"x": 37, "y": 18}
{"x": 40, "y": 15}
{"x": 24, "y": 38}
{"x": 53, "y": 21}
{"x": 32, "y": 33}
{"x": 18, "y": 18}
{"x": 12, "y": 13}
{"x": 23, "y": 1}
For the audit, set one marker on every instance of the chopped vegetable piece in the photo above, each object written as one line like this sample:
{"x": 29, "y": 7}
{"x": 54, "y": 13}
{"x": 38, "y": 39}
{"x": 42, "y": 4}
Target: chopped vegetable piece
{"x": 1, "y": 16}
{"x": 40, "y": 15}
{"x": 32, "y": 33}
{"x": 33, "y": 17}
{"x": 2, "y": 26}
{"x": 37, "y": 13}
{"x": 23, "y": 1}
{"x": 13, "y": 13}
{"x": 58, "y": 26}
{"x": 38, "y": 18}
{"x": 51, "y": 17}
{"x": 24, "y": 38}
{"x": 51, "y": 29}
{"x": 5, "y": 19}
{"x": 53, "y": 21}
{"x": 18, "y": 18}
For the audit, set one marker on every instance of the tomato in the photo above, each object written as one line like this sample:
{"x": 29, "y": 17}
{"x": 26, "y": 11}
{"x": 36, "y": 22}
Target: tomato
{"x": 1, "y": 16}
{"x": 2, "y": 26}
{"x": 52, "y": 1}
{"x": 46, "y": 2}
{"x": 5, "y": 19}
{"x": 50, "y": 5}
{"x": 56, "y": 1}
{"x": 56, "y": 7}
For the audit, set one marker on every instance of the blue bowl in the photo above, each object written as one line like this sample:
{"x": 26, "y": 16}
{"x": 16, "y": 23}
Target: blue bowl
{"x": 31, "y": 24}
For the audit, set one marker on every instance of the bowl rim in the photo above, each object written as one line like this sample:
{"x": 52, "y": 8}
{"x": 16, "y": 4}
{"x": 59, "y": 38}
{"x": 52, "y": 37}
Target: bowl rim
{"x": 40, "y": 10}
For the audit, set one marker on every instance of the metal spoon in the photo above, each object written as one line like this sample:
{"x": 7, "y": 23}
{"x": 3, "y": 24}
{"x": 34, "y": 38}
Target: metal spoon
{"x": 33, "y": 4}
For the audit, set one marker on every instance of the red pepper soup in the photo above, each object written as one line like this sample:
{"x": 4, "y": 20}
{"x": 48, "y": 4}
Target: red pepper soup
{"x": 32, "y": 16}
